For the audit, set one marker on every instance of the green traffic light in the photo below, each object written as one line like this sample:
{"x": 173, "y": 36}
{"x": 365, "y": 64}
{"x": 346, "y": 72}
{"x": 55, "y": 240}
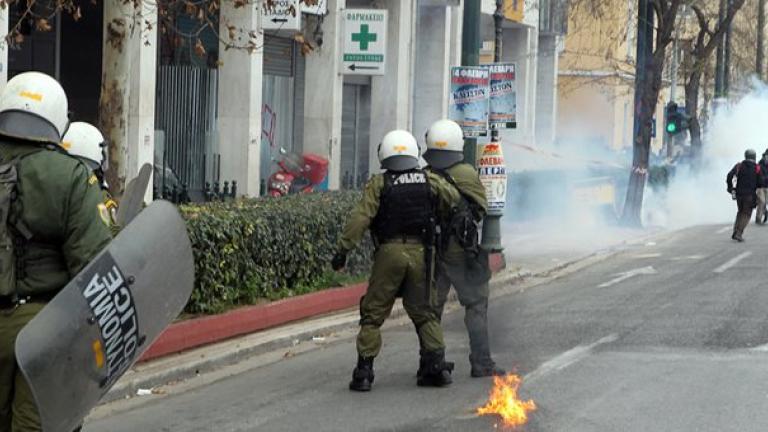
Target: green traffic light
{"x": 671, "y": 127}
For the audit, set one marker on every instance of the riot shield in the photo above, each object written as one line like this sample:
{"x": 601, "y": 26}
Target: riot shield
{"x": 75, "y": 349}
{"x": 133, "y": 197}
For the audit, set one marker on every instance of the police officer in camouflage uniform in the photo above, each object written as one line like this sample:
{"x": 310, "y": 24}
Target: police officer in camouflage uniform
{"x": 85, "y": 142}
{"x": 400, "y": 207}
{"x": 51, "y": 224}
{"x": 445, "y": 155}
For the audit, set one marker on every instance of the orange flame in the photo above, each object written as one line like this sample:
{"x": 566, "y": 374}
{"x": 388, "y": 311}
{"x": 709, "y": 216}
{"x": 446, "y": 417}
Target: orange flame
{"x": 504, "y": 402}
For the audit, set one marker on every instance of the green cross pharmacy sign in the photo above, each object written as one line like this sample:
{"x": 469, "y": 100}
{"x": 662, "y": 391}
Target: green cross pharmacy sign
{"x": 365, "y": 41}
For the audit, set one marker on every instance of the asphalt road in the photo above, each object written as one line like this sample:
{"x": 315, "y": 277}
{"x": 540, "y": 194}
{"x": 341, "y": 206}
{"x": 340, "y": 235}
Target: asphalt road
{"x": 668, "y": 336}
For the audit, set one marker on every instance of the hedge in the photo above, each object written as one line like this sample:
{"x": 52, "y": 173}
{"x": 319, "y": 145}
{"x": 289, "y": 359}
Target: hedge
{"x": 247, "y": 251}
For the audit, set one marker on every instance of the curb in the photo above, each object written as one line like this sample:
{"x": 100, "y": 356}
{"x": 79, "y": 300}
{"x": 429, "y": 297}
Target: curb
{"x": 197, "y": 332}
{"x": 186, "y": 365}
{"x": 194, "y": 333}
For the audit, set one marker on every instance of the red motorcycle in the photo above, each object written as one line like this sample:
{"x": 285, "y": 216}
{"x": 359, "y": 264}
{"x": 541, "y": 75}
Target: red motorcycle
{"x": 297, "y": 174}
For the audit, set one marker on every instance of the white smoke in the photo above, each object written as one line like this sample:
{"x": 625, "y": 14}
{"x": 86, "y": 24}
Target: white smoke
{"x": 548, "y": 220}
{"x": 696, "y": 197}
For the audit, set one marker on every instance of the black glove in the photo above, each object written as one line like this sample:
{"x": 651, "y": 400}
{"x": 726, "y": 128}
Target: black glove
{"x": 339, "y": 261}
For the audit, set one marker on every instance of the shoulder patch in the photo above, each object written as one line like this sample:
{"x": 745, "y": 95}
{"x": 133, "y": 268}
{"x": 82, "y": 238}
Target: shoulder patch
{"x": 92, "y": 180}
{"x": 104, "y": 213}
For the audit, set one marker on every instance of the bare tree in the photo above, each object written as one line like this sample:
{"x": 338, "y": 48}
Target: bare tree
{"x": 704, "y": 45}
{"x": 648, "y": 88}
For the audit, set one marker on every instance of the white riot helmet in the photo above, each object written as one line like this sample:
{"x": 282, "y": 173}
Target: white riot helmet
{"x": 33, "y": 106}
{"x": 84, "y": 141}
{"x": 399, "y": 151}
{"x": 445, "y": 144}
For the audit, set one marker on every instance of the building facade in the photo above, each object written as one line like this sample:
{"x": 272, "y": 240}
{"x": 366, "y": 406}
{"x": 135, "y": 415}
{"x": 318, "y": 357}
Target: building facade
{"x": 211, "y": 114}
{"x": 597, "y": 78}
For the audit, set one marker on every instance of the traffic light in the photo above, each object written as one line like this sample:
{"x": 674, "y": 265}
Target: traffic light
{"x": 676, "y": 119}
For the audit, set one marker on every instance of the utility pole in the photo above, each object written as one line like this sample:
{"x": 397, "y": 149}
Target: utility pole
{"x": 720, "y": 62}
{"x": 727, "y": 63}
{"x": 645, "y": 20}
{"x": 498, "y": 19}
{"x": 760, "y": 59}
{"x": 669, "y": 142}
{"x": 470, "y": 56}
{"x": 492, "y": 222}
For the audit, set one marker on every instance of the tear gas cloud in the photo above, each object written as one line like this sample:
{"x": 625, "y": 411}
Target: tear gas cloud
{"x": 556, "y": 194}
{"x": 699, "y": 196}
{"x": 561, "y": 198}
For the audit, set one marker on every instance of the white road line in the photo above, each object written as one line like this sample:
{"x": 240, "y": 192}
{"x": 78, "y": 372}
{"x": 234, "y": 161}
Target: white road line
{"x": 723, "y": 230}
{"x": 689, "y": 258}
{"x": 621, "y": 277}
{"x": 760, "y": 348}
{"x": 732, "y": 262}
{"x": 649, "y": 255}
{"x": 567, "y": 358}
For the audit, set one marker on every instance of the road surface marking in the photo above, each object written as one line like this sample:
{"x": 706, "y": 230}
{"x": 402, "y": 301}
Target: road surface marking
{"x": 621, "y": 277}
{"x": 567, "y": 358}
{"x": 723, "y": 230}
{"x": 760, "y": 348}
{"x": 732, "y": 262}
{"x": 689, "y": 257}
{"x": 649, "y": 255}
{"x": 562, "y": 361}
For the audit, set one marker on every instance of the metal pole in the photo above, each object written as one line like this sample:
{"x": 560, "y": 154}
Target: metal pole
{"x": 492, "y": 223}
{"x": 760, "y": 59}
{"x": 498, "y": 19}
{"x": 669, "y": 142}
{"x": 470, "y": 56}
{"x": 720, "y": 54}
{"x": 727, "y": 63}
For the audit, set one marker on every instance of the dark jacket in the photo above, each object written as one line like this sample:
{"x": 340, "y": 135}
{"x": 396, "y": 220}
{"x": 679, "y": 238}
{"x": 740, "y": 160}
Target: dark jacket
{"x": 749, "y": 177}
{"x": 764, "y": 172}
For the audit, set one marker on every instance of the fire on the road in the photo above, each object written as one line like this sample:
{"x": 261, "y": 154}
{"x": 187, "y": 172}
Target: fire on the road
{"x": 504, "y": 402}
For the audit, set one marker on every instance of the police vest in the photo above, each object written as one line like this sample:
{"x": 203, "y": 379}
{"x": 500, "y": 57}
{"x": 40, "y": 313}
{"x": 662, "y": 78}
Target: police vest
{"x": 406, "y": 206}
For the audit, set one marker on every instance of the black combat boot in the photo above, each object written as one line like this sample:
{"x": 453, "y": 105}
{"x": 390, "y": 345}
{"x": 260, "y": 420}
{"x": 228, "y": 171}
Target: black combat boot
{"x": 484, "y": 367}
{"x": 362, "y": 376}
{"x": 434, "y": 371}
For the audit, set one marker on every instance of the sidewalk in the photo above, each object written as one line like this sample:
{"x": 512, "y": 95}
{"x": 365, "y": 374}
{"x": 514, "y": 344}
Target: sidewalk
{"x": 522, "y": 267}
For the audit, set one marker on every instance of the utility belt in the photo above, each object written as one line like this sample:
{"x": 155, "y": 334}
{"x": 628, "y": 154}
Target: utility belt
{"x": 413, "y": 240}
{"x": 14, "y": 301}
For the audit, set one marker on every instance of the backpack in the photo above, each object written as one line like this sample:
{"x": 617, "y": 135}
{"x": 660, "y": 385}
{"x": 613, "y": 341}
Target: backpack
{"x": 464, "y": 224}
{"x": 13, "y": 232}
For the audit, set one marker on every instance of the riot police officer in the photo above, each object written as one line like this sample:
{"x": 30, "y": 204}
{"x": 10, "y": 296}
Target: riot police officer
{"x": 51, "y": 225}
{"x": 400, "y": 207}
{"x": 461, "y": 264}
{"x": 85, "y": 142}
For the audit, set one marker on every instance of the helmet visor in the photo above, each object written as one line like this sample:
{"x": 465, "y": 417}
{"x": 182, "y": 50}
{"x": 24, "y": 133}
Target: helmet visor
{"x": 442, "y": 159}
{"x": 400, "y": 163}
{"x": 28, "y": 126}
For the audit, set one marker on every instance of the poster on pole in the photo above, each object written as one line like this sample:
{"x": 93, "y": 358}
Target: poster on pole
{"x": 493, "y": 175}
{"x": 503, "y": 103}
{"x": 468, "y": 102}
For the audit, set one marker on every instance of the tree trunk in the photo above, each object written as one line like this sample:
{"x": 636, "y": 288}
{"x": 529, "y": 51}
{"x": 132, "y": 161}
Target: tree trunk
{"x": 649, "y": 96}
{"x": 644, "y": 77}
{"x": 692, "y": 88}
{"x": 115, "y": 88}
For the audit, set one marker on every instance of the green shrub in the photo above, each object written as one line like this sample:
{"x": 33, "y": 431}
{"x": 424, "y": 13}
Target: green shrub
{"x": 250, "y": 250}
